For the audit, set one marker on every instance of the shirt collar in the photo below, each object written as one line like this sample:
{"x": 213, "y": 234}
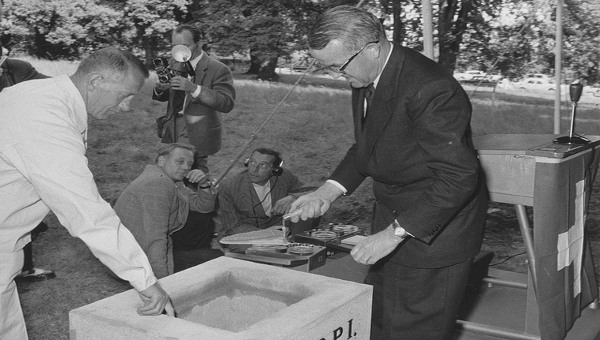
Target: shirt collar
{"x": 195, "y": 61}
{"x": 376, "y": 81}
{"x": 66, "y": 85}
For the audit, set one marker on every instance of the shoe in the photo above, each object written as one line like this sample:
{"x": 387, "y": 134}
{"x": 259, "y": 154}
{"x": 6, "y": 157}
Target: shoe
{"x": 35, "y": 274}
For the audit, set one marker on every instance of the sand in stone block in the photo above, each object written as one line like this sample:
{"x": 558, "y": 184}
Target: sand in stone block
{"x": 238, "y": 309}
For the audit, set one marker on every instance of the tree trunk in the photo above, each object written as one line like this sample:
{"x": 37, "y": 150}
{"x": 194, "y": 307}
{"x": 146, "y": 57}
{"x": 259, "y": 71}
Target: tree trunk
{"x": 254, "y": 64}
{"x": 450, "y": 32}
{"x": 267, "y": 70}
{"x": 399, "y": 29}
{"x": 448, "y": 51}
{"x": 148, "y": 50}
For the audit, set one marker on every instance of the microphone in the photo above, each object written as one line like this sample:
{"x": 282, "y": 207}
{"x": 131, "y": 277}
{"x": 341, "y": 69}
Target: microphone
{"x": 575, "y": 90}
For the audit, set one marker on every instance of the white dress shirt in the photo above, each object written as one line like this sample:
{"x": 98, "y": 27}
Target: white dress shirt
{"x": 43, "y": 167}
{"x": 264, "y": 195}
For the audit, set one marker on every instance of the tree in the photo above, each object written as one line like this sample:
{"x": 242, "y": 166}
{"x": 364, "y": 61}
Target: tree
{"x": 61, "y": 28}
{"x": 148, "y": 23}
{"x": 266, "y": 30}
{"x": 582, "y": 40}
{"x": 502, "y": 44}
{"x": 522, "y": 39}
{"x": 69, "y": 28}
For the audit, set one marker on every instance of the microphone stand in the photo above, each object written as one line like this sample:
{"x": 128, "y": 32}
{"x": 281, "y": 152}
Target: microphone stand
{"x": 575, "y": 90}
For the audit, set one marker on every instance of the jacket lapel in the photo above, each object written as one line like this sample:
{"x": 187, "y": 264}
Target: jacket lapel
{"x": 200, "y": 69}
{"x": 199, "y": 73}
{"x": 255, "y": 203}
{"x": 382, "y": 108}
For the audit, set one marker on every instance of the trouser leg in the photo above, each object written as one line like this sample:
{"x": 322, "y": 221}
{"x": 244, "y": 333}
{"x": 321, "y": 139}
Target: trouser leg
{"x": 417, "y": 303}
{"x": 192, "y": 243}
{"x": 27, "y": 257}
{"x": 12, "y": 323}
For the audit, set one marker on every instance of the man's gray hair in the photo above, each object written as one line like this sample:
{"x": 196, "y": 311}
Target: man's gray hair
{"x": 112, "y": 63}
{"x": 350, "y": 25}
{"x": 167, "y": 149}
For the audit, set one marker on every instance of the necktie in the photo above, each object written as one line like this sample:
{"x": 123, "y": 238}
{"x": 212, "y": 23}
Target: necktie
{"x": 369, "y": 91}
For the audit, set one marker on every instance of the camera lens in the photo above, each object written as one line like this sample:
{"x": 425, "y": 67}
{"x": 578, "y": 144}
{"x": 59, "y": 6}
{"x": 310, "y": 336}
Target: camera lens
{"x": 163, "y": 78}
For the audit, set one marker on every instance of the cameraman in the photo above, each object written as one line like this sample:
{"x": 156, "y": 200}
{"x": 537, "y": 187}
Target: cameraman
{"x": 197, "y": 100}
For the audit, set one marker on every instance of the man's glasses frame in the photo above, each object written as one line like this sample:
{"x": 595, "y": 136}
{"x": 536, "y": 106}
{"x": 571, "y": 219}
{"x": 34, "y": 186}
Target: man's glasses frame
{"x": 344, "y": 65}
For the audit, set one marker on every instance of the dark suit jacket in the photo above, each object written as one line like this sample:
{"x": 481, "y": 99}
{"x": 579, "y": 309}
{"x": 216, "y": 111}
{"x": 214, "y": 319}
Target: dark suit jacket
{"x": 415, "y": 145}
{"x": 217, "y": 82}
{"x": 16, "y": 71}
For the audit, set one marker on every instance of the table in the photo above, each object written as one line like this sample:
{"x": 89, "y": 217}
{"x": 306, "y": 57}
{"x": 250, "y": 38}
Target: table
{"x": 556, "y": 180}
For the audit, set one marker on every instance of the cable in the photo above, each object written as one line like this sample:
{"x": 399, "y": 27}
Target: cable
{"x": 255, "y": 133}
{"x": 506, "y": 259}
{"x": 263, "y": 199}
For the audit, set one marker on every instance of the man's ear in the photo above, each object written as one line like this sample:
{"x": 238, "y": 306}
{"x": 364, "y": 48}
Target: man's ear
{"x": 95, "y": 80}
{"x": 374, "y": 50}
{"x": 161, "y": 161}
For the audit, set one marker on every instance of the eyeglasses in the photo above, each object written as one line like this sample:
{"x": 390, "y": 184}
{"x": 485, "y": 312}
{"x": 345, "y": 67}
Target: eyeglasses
{"x": 344, "y": 65}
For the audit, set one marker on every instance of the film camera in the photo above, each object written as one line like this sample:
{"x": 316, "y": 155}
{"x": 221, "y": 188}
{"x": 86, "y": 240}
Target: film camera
{"x": 178, "y": 65}
{"x": 163, "y": 71}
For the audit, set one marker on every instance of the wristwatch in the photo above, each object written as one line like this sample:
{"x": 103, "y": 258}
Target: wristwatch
{"x": 398, "y": 230}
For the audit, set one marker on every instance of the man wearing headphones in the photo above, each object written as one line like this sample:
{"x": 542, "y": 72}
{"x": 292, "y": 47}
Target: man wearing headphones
{"x": 259, "y": 196}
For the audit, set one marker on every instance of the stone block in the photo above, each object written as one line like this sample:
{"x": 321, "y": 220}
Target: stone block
{"x": 235, "y": 299}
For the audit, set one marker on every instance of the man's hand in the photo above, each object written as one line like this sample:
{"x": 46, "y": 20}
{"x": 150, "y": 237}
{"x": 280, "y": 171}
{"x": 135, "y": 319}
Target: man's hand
{"x": 183, "y": 84}
{"x": 155, "y": 301}
{"x": 314, "y": 204}
{"x": 375, "y": 247}
{"x": 283, "y": 205}
{"x": 198, "y": 176}
{"x": 161, "y": 87}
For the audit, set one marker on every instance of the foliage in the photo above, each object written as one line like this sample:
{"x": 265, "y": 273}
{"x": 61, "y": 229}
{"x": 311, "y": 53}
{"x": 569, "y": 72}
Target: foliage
{"x": 456, "y": 19}
{"x": 521, "y": 38}
{"x": 582, "y": 40}
{"x": 266, "y": 30}
{"x": 510, "y": 37}
{"x": 69, "y": 28}
{"x": 147, "y": 23}
{"x": 502, "y": 47}
{"x": 61, "y": 28}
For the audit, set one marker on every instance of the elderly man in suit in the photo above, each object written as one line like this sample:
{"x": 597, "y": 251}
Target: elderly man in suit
{"x": 411, "y": 125}
{"x": 196, "y": 102}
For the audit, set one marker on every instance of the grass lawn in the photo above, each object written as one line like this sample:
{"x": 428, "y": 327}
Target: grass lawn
{"x": 312, "y": 129}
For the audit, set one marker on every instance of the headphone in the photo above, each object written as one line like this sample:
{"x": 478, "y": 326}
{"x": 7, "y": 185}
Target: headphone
{"x": 277, "y": 162}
